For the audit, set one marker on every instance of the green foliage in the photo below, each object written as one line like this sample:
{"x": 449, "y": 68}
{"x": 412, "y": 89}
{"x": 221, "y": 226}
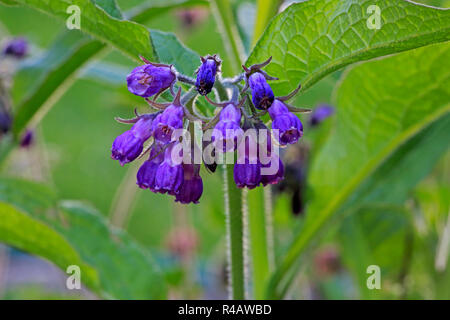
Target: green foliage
{"x": 19, "y": 230}
{"x": 126, "y": 270}
{"x": 387, "y": 136}
{"x": 130, "y": 38}
{"x": 314, "y": 38}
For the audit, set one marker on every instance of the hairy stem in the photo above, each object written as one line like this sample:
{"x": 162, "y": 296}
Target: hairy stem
{"x": 221, "y": 9}
{"x": 235, "y": 236}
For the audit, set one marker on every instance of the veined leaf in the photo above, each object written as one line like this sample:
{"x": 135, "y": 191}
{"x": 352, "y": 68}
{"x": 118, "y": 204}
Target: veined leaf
{"x": 110, "y": 6}
{"x": 51, "y": 76}
{"x": 27, "y": 195}
{"x": 128, "y": 37}
{"x": 392, "y": 125}
{"x": 19, "y": 230}
{"x": 314, "y": 38}
{"x": 126, "y": 270}
{"x": 48, "y": 78}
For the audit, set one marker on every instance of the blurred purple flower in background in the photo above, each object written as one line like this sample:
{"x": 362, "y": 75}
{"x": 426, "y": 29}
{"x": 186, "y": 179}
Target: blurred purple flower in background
{"x": 17, "y": 48}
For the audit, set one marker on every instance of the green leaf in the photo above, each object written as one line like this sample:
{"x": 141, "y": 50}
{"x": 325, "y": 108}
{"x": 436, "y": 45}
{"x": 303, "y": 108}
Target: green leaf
{"x": 149, "y": 10}
{"x": 376, "y": 235}
{"x": 21, "y": 231}
{"x": 48, "y": 79}
{"x": 223, "y": 14}
{"x": 168, "y": 49}
{"x": 110, "y": 6}
{"x": 126, "y": 270}
{"x": 388, "y": 134}
{"x": 314, "y": 38}
{"x": 27, "y": 195}
{"x": 128, "y": 37}
{"x": 266, "y": 10}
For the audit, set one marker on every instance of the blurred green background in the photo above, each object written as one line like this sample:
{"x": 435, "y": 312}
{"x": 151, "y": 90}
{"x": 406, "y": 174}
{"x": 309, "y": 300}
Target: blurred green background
{"x": 71, "y": 154}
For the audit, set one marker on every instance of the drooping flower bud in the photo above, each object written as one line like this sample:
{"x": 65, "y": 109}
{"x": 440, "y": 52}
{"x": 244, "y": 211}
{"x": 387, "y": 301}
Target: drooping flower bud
{"x": 192, "y": 188}
{"x": 169, "y": 120}
{"x": 247, "y": 170}
{"x": 150, "y": 79}
{"x": 5, "y": 121}
{"x": 206, "y": 74}
{"x": 27, "y": 139}
{"x": 129, "y": 145}
{"x": 227, "y": 131}
{"x": 16, "y": 48}
{"x": 289, "y": 126}
{"x": 170, "y": 174}
{"x": 262, "y": 94}
{"x": 320, "y": 113}
{"x": 147, "y": 172}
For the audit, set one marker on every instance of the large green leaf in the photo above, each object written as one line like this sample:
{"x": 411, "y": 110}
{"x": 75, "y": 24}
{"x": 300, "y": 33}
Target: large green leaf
{"x": 19, "y": 230}
{"x": 381, "y": 236}
{"x": 314, "y": 38}
{"x": 128, "y": 37}
{"x": 46, "y": 80}
{"x": 39, "y": 85}
{"x": 392, "y": 125}
{"x": 126, "y": 270}
{"x": 122, "y": 268}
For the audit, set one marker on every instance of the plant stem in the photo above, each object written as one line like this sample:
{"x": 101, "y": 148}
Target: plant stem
{"x": 259, "y": 243}
{"x": 221, "y": 9}
{"x": 235, "y": 236}
{"x": 266, "y": 9}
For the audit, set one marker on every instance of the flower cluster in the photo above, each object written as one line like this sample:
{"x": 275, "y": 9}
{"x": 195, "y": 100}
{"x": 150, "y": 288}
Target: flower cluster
{"x": 172, "y": 166}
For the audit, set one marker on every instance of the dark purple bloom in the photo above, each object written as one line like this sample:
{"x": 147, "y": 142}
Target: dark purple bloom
{"x": 147, "y": 172}
{"x": 206, "y": 75}
{"x": 320, "y": 113}
{"x": 228, "y": 131}
{"x": 289, "y": 127}
{"x": 247, "y": 174}
{"x": 262, "y": 94}
{"x": 27, "y": 139}
{"x": 192, "y": 188}
{"x": 170, "y": 174}
{"x": 5, "y": 121}
{"x": 129, "y": 145}
{"x": 16, "y": 48}
{"x": 150, "y": 79}
{"x": 272, "y": 178}
{"x": 247, "y": 170}
{"x": 168, "y": 121}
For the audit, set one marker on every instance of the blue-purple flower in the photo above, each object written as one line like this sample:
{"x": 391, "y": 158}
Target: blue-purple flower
{"x": 169, "y": 120}
{"x": 192, "y": 188}
{"x": 170, "y": 174}
{"x": 206, "y": 74}
{"x": 150, "y": 79}
{"x": 262, "y": 94}
{"x": 228, "y": 132}
{"x": 289, "y": 126}
{"x": 147, "y": 172}
{"x": 320, "y": 113}
{"x": 5, "y": 121}
{"x": 16, "y": 48}
{"x": 129, "y": 145}
{"x": 247, "y": 170}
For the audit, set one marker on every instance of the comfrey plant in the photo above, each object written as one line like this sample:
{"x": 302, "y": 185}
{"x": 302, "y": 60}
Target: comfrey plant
{"x": 173, "y": 164}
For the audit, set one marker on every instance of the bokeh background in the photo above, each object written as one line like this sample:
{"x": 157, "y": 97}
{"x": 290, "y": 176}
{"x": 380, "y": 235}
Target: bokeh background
{"x": 71, "y": 154}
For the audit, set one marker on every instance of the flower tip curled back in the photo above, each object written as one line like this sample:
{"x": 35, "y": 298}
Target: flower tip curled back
{"x": 262, "y": 94}
{"x": 17, "y": 48}
{"x": 129, "y": 145}
{"x": 149, "y": 79}
{"x": 192, "y": 188}
{"x": 247, "y": 174}
{"x": 289, "y": 126}
{"x": 169, "y": 176}
{"x": 206, "y": 74}
{"x": 126, "y": 147}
